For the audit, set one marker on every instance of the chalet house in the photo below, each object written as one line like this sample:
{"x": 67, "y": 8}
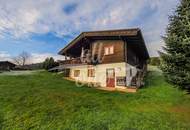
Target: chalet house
{"x": 111, "y": 58}
{"x": 6, "y": 66}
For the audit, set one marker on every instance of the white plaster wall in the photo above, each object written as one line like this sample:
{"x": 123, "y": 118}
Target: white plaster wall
{"x": 100, "y": 72}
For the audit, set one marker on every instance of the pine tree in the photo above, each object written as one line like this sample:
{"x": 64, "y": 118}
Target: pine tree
{"x": 176, "y": 58}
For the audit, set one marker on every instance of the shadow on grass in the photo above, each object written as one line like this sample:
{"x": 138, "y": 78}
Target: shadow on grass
{"x": 154, "y": 77}
{"x": 1, "y": 122}
{"x": 188, "y": 91}
{"x": 149, "y": 78}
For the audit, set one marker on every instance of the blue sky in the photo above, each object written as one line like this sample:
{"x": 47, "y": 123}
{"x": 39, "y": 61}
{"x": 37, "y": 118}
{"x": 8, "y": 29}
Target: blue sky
{"x": 42, "y": 28}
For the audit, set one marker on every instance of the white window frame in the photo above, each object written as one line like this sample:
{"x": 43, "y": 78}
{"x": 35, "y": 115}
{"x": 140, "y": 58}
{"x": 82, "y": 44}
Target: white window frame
{"x": 109, "y": 50}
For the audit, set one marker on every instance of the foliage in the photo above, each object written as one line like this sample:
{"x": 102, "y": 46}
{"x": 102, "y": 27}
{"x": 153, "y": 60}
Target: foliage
{"x": 46, "y": 101}
{"x": 49, "y": 63}
{"x": 176, "y": 60}
{"x": 155, "y": 61}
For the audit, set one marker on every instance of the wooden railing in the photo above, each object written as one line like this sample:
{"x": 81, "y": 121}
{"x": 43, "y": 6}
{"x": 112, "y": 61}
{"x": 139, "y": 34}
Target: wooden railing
{"x": 71, "y": 61}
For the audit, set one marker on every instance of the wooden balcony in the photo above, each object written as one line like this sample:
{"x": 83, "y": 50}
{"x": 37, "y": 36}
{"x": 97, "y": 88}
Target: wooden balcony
{"x": 71, "y": 61}
{"x": 90, "y": 60}
{"x": 74, "y": 61}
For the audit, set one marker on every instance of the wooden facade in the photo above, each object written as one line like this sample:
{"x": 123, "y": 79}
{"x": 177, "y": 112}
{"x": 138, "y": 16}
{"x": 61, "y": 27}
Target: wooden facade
{"x": 98, "y": 48}
{"x": 123, "y": 40}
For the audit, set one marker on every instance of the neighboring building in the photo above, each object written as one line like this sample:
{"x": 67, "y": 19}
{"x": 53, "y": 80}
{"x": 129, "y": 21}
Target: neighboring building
{"x": 6, "y": 66}
{"x": 112, "y": 58}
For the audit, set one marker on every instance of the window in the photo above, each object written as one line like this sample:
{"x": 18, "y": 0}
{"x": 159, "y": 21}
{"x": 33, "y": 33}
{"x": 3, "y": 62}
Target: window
{"x": 91, "y": 73}
{"x": 76, "y": 73}
{"x": 121, "y": 81}
{"x": 109, "y": 50}
{"x": 106, "y": 51}
{"x": 110, "y": 73}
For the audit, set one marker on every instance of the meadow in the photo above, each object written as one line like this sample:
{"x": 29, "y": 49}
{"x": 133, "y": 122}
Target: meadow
{"x": 46, "y": 101}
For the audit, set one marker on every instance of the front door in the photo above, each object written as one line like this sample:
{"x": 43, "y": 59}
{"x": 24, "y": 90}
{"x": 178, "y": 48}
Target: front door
{"x": 110, "y": 77}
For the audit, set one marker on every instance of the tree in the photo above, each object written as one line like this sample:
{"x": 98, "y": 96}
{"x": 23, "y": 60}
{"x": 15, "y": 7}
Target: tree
{"x": 154, "y": 61}
{"x": 22, "y": 58}
{"x": 176, "y": 58}
{"x": 49, "y": 63}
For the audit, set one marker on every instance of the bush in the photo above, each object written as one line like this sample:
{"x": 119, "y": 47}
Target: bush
{"x": 49, "y": 63}
{"x": 155, "y": 61}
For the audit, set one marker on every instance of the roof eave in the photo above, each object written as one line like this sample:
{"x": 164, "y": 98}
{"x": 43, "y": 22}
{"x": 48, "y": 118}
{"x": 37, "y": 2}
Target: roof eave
{"x": 86, "y": 34}
{"x": 148, "y": 56}
{"x": 62, "y": 51}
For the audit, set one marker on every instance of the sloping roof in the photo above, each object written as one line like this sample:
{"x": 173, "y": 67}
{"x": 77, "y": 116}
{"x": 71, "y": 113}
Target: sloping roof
{"x": 105, "y": 33}
{"x": 8, "y": 62}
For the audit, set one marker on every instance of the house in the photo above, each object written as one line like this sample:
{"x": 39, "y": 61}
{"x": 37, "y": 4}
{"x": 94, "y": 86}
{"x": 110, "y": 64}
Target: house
{"x": 6, "y": 66}
{"x": 111, "y": 58}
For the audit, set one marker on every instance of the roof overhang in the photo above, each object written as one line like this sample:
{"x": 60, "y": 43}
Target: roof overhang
{"x": 107, "y": 34}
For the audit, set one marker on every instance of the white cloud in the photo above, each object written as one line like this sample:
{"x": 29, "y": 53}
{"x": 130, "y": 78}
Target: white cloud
{"x": 4, "y": 56}
{"x": 40, "y": 57}
{"x": 19, "y": 18}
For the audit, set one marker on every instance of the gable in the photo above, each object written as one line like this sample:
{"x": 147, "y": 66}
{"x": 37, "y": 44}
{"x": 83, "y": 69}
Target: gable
{"x": 85, "y": 38}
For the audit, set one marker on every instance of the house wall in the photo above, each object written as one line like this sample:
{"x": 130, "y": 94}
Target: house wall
{"x": 6, "y": 66}
{"x": 100, "y": 72}
{"x": 118, "y": 56}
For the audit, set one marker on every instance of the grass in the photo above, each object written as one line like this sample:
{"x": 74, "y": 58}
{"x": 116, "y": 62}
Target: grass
{"x": 15, "y": 73}
{"x": 48, "y": 102}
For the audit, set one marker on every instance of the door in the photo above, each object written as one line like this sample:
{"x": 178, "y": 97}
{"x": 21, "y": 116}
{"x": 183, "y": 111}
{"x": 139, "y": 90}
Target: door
{"x": 110, "y": 77}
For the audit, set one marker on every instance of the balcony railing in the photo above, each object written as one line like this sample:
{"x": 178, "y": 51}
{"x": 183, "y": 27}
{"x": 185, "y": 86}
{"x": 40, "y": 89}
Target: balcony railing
{"x": 85, "y": 60}
{"x": 71, "y": 61}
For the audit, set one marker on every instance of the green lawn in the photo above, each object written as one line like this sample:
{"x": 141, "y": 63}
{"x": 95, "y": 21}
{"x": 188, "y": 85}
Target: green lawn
{"x": 48, "y": 102}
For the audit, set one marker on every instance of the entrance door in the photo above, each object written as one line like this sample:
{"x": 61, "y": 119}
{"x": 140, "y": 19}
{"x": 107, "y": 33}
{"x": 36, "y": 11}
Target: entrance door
{"x": 110, "y": 77}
